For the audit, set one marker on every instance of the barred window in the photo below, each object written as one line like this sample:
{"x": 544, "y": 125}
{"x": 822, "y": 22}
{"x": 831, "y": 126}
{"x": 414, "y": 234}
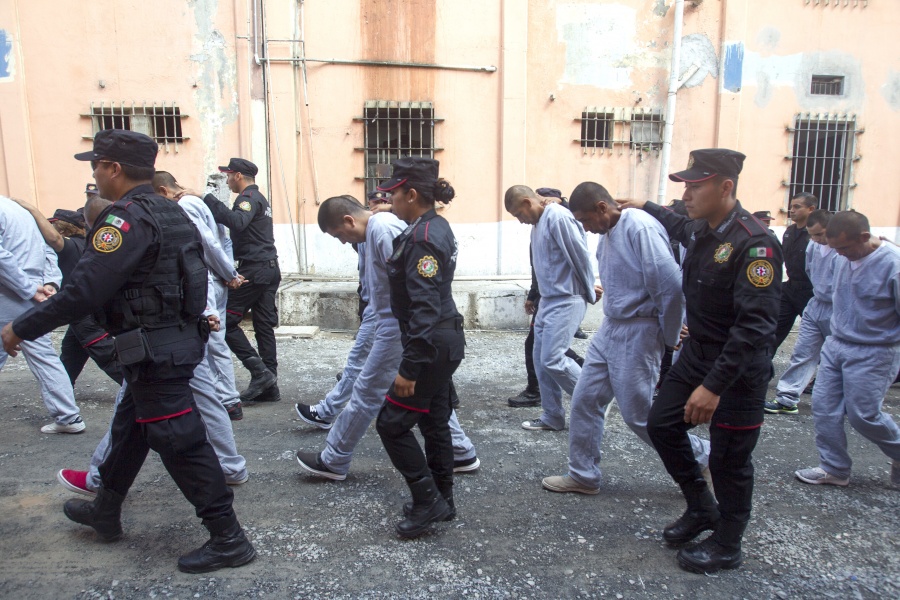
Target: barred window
{"x": 393, "y": 130}
{"x": 827, "y": 85}
{"x": 162, "y": 122}
{"x": 823, "y": 152}
{"x": 605, "y": 128}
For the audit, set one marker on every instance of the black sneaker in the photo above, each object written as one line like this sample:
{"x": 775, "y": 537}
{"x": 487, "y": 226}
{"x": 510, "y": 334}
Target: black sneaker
{"x": 466, "y": 466}
{"x": 809, "y": 388}
{"x": 308, "y": 414}
{"x": 580, "y": 334}
{"x": 526, "y": 398}
{"x": 273, "y": 394}
{"x": 235, "y": 411}
{"x": 339, "y": 375}
{"x": 312, "y": 462}
{"x": 777, "y": 408}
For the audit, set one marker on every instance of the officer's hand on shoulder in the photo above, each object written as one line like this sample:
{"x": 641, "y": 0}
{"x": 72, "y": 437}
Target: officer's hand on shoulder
{"x": 630, "y": 203}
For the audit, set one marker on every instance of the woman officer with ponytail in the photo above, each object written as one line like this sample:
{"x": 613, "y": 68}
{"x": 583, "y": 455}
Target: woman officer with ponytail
{"x": 421, "y": 272}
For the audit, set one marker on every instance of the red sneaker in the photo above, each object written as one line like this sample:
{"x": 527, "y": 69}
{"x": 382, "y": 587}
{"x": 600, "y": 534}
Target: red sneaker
{"x": 75, "y": 481}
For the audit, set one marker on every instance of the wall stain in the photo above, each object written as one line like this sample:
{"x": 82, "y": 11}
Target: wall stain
{"x": 696, "y": 49}
{"x": 891, "y": 90}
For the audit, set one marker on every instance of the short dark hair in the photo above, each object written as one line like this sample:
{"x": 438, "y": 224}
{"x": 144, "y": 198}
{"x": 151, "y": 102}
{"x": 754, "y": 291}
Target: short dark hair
{"x": 333, "y": 211}
{"x": 809, "y": 200}
{"x": 94, "y": 206}
{"x": 719, "y": 179}
{"x": 587, "y": 195}
{"x": 819, "y": 217}
{"x": 164, "y": 179}
{"x": 849, "y": 222}
{"x": 516, "y": 193}
{"x": 138, "y": 173}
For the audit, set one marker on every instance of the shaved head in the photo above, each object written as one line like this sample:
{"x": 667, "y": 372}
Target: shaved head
{"x": 93, "y": 207}
{"x": 516, "y": 194}
{"x": 587, "y": 195}
{"x": 849, "y": 222}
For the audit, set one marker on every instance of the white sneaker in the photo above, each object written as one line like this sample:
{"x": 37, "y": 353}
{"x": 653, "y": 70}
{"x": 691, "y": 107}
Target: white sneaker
{"x": 76, "y": 426}
{"x": 564, "y": 484}
{"x": 239, "y": 480}
{"x": 537, "y": 425}
{"x": 818, "y": 476}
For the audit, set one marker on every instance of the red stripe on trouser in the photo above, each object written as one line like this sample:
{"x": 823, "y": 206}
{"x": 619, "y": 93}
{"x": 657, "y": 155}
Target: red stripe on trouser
{"x": 172, "y": 416}
{"x": 234, "y": 312}
{"x": 734, "y": 428}
{"x": 392, "y": 401}
{"x": 105, "y": 335}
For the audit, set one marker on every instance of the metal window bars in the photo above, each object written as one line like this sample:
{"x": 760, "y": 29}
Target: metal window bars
{"x": 827, "y": 85}
{"x": 160, "y": 121}
{"x": 822, "y": 154}
{"x": 839, "y": 3}
{"x": 392, "y": 130}
{"x": 604, "y": 128}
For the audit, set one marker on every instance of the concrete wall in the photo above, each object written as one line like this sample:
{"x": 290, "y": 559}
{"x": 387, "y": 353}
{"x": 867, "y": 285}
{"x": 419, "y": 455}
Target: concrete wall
{"x": 231, "y": 65}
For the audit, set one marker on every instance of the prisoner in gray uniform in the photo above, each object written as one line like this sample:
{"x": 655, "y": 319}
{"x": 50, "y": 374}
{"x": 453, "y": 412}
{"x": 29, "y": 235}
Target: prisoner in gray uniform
{"x": 27, "y": 267}
{"x": 381, "y": 360}
{"x": 565, "y": 278}
{"x": 862, "y": 355}
{"x": 642, "y": 306}
{"x": 815, "y": 325}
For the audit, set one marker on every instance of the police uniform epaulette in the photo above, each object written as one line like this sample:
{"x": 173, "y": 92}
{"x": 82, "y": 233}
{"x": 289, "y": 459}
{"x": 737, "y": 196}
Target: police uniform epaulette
{"x": 751, "y": 225}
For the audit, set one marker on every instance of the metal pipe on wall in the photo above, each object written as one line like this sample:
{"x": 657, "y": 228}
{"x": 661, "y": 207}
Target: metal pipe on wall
{"x": 386, "y": 63}
{"x": 671, "y": 103}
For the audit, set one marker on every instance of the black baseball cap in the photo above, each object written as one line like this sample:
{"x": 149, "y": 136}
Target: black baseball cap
{"x": 706, "y": 164}
{"x": 124, "y": 147}
{"x": 411, "y": 169}
{"x": 549, "y": 192}
{"x": 73, "y": 217}
{"x": 763, "y": 215}
{"x": 378, "y": 196}
{"x": 242, "y": 166}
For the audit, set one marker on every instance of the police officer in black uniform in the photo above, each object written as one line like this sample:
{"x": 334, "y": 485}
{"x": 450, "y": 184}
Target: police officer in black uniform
{"x": 253, "y": 236}
{"x": 797, "y": 291}
{"x": 732, "y": 286}
{"x": 143, "y": 274}
{"x": 421, "y": 272}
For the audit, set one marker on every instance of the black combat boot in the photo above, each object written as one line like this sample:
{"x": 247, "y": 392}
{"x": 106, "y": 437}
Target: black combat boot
{"x": 273, "y": 394}
{"x": 428, "y": 507}
{"x": 445, "y": 487}
{"x": 103, "y": 513}
{"x": 227, "y": 547}
{"x": 721, "y": 550}
{"x": 702, "y": 513}
{"x": 261, "y": 379}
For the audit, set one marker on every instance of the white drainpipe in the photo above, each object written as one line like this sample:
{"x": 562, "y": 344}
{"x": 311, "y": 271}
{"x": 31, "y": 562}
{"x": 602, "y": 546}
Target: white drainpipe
{"x": 670, "y": 104}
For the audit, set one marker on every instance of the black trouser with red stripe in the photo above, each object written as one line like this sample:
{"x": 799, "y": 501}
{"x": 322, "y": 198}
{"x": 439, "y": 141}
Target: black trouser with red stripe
{"x": 158, "y": 413}
{"x": 85, "y": 339}
{"x": 733, "y": 432}
{"x": 429, "y": 408}
{"x": 259, "y": 296}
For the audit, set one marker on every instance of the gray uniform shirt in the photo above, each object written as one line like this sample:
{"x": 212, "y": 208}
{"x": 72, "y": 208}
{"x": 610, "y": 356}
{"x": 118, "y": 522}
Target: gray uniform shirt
{"x": 867, "y": 298}
{"x": 639, "y": 275}
{"x": 381, "y": 230}
{"x": 26, "y": 262}
{"x": 820, "y": 261}
{"x": 559, "y": 250}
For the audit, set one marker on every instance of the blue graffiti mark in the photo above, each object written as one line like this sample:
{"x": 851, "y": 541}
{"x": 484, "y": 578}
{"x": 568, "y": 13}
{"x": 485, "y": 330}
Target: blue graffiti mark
{"x": 5, "y": 54}
{"x": 734, "y": 67}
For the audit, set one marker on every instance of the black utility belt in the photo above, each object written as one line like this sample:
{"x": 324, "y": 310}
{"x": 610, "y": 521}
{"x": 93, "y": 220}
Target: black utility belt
{"x": 712, "y": 350}
{"x": 272, "y": 263}
{"x": 454, "y": 323}
{"x": 137, "y": 345}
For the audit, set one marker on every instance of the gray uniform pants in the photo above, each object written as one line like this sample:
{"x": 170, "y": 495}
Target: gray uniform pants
{"x": 215, "y": 417}
{"x": 218, "y": 354}
{"x": 56, "y": 389}
{"x": 557, "y": 320}
{"x": 851, "y": 383}
{"x": 622, "y": 362}
{"x": 369, "y": 384}
{"x": 814, "y": 328}
{"x": 338, "y": 397}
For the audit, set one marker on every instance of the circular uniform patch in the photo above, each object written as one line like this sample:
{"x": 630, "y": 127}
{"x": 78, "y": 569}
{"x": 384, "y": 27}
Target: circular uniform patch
{"x": 245, "y": 206}
{"x": 428, "y": 266}
{"x": 723, "y": 252}
{"x": 107, "y": 239}
{"x": 760, "y": 273}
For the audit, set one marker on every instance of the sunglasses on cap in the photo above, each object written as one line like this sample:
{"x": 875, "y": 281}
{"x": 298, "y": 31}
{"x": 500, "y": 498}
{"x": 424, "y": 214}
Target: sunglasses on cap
{"x": 91, "y": 188}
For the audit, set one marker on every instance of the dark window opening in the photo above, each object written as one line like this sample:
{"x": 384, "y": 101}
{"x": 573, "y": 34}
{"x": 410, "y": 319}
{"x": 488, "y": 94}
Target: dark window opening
{"x": 827, "y": 85}
{"x": 822, "y": 159}
{"x": 597, "y": 129}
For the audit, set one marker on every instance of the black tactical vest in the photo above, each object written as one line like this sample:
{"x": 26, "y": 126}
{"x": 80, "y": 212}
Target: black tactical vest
{"x": 174, "y": 291}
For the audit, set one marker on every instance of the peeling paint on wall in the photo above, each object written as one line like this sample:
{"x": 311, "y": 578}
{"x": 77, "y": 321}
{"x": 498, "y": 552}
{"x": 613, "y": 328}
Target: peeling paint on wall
{"x": 599, "y": 41}
{"x": 768, "y": 38}
{"x": 696, "y": 49}
{"x": 215, "y": 95}
{"x": 733, "y": 68}
{"x": 891, "y": 90}
{"x": 7, "y": 63}
{"x": 660, "y": 9}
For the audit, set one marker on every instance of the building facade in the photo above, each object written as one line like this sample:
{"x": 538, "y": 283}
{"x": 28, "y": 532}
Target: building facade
{"x": 322, "y": 94}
